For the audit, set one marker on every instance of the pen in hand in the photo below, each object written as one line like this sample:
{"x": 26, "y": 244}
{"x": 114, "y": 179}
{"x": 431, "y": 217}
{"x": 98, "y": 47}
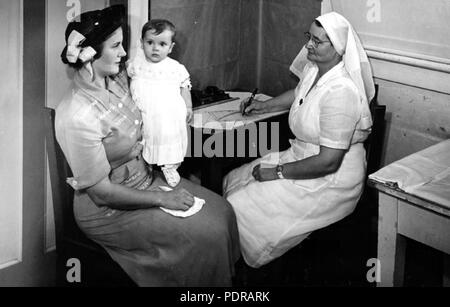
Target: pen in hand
{"x": 249, "y": 102}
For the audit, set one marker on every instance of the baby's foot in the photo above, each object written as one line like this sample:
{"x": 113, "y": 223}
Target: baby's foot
{"x": 172, "y": 176}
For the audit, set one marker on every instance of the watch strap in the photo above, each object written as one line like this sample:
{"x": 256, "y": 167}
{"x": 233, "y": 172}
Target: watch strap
{"x": 280, "y": 171}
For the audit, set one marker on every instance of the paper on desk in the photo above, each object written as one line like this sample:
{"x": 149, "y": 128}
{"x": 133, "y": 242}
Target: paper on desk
{"x": 425, "y": 174}
{"x": 437, "y": 190}
{"x": 198, "y": 205}
{"x": 227, "y": 116}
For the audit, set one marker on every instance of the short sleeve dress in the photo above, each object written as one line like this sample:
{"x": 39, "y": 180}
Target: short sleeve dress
{"x": 274, "y": 216}
{"x": 155, "y": 87}
{"x": 99, "y": 131}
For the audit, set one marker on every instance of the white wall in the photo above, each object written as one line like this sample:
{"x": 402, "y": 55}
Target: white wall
{"x": 408, "y": 46}
{"x": 414, "y": 26}
{"x": 137, "y": 16}
{"x": 59, "y": 13}
{"x": 11, "y": 123}
{"x": 417, "y": 118}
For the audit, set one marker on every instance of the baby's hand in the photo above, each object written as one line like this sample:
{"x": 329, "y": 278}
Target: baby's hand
{"x": 189, "y": 115}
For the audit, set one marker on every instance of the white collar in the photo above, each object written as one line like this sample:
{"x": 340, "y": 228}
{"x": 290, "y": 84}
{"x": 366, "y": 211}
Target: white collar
{"x": 332, "y": 73}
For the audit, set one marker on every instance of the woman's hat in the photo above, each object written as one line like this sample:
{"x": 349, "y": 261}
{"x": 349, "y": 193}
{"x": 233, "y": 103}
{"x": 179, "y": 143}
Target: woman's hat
{"x": 90, "y": 29}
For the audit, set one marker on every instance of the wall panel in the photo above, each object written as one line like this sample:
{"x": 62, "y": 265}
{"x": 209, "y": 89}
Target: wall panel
{"x": 11, "y": 133}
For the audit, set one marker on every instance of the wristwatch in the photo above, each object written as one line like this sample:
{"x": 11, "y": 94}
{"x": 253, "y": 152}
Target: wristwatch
{"x": 280, "y": 171}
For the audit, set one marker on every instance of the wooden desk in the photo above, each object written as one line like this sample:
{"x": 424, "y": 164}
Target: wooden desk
{"x": 214, "y": 168}
{"x": 401, "y": 216}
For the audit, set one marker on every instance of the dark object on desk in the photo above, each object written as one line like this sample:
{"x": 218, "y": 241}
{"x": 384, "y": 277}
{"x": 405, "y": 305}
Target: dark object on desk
{"x": 209, "y": 95}
{"x": 97, "y": 267}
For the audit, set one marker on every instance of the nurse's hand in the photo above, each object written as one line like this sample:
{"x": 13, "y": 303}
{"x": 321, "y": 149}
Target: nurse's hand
{"x": 178, "y": 199}
{"x": 256, "y": 107}
{"x": 264, "y": 173}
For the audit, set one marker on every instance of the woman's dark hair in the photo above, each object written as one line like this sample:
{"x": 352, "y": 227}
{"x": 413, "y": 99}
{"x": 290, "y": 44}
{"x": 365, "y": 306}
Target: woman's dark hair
{"x": 159, "y": 25}
{"x": 96, "y": 26}
{"x": 318, "y": 23}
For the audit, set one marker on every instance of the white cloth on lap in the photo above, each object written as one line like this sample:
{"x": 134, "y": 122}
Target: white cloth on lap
{"x": 198, "y": 205}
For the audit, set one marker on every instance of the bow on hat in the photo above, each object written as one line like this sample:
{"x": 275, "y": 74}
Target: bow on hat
{"x": 75, "y": 51}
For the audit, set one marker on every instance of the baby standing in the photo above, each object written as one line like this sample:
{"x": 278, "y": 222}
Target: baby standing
{"x": 160, "y": 86}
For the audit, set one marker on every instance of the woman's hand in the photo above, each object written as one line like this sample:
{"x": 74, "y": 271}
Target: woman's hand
{"x": 178, "y": 199}
{"x": 264, "y": 173}
{"x": 116, "y": 196}
{"x": 256, "y": 107}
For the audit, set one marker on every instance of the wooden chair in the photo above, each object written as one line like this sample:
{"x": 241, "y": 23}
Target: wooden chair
{"x": 97, "y": 267}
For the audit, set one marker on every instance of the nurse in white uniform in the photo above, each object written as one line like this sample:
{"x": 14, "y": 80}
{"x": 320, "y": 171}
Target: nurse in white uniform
{"x": 281, "y": 198}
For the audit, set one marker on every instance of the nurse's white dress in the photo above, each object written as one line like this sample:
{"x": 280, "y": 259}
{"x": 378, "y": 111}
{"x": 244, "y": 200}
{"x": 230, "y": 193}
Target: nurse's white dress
{"x": 274, "y": 216}
{"x": 156, "y": 90}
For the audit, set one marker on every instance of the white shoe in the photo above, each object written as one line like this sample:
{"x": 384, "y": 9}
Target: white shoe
{"x": 172, "y": 176}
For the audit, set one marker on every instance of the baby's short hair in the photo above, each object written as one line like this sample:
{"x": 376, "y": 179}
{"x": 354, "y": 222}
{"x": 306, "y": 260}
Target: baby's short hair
{"x": 159, "y": 25}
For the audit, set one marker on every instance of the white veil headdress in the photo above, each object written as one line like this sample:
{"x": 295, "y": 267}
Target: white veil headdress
{"x": 346, "y": 43}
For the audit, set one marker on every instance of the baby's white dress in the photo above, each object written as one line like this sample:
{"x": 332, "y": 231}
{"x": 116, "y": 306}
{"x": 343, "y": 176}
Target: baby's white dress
{"x": 156, "y": 89}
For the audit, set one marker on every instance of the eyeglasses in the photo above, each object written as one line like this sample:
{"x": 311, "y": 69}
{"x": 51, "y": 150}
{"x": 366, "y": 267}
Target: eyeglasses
{"x": 316, "y": 42}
